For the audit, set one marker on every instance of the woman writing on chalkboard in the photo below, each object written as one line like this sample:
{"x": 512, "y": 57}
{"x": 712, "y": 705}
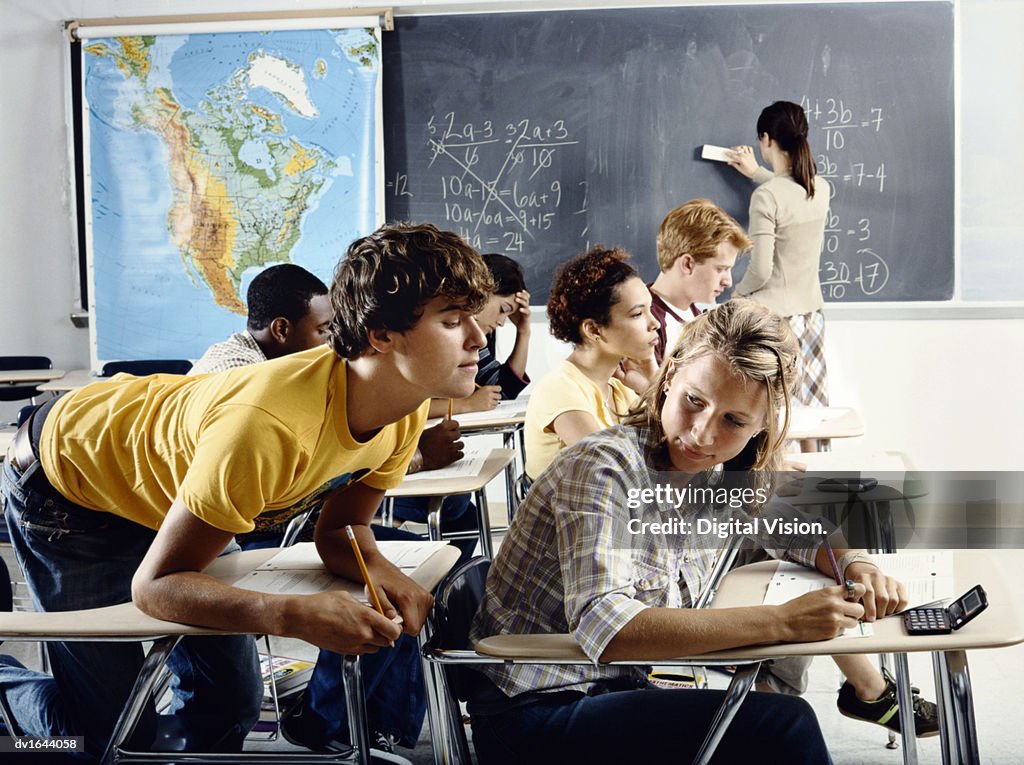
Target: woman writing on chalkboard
{"x": 787, "y": 225}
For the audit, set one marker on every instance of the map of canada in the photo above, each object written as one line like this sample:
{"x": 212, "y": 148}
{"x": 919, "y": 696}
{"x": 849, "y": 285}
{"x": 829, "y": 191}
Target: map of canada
{"x": 212, "y": 157}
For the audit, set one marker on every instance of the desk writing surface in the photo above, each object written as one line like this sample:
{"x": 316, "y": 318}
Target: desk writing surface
{"x": 70, "y": 380}
{"x": 864, "y": 461}
{"x": 1001, "y": 624}
{"x": 808, "y": 422}
{"x": 892, "y": 470}
{"x": 496, "y": 461}
{"x": 125, "y": 622}
{"x": 22, "y": 376}
{"x": 506, "y": 414}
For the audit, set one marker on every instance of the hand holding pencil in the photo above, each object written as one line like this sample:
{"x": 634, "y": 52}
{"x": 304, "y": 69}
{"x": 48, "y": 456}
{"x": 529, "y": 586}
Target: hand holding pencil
{"x": 412, "y": 602}
{"x": 879, "y": 593}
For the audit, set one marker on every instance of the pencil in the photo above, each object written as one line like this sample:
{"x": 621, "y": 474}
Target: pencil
{"x": 832, "y": 560}
{"x": 363, "y": 570}
{"x": 451, "y": 404}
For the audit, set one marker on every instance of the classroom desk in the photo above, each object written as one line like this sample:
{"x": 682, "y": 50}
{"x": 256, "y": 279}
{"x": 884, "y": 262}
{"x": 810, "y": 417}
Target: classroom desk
{"x": 507, "y": 420}
{"x": 124, "y": 623}
{"x": 419, "y": 485}
{"x": 73, "y": 379}
{"x": 1000, "y": 625}
{"x": 28, "y": 376}
{"x": 896, "y": 483}
{"x": 818, "y": 423}
{"x": 866, "y": 462}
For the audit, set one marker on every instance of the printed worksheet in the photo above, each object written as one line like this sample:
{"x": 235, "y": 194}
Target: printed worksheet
{"x": 471, "y": 464}
{"x": 927, "y": 575}
{"x": 407, "y": 556}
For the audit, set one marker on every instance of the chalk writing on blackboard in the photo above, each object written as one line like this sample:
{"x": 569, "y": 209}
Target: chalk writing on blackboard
{"x": 853, "y": 159}
{"x": 538, "y": 133}
{"x": 500, "y": 184}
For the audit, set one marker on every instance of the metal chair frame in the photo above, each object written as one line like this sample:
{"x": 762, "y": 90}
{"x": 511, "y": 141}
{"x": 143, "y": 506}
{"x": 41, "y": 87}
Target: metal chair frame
{"x": 444, "y": 718}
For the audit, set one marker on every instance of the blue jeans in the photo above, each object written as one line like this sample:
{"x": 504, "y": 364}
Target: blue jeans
{"x": 649, "y": 725}
{"x": 458, "y": 513}
{"x": 396, "y": 700}
{"x": 76, "y": 558}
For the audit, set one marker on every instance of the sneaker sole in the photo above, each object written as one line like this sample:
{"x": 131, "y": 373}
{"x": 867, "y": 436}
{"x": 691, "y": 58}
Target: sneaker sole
{"x": 929, "y": 734}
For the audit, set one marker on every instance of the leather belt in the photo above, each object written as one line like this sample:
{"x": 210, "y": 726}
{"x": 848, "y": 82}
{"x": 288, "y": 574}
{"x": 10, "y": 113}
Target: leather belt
{"x": 20, "y": 453}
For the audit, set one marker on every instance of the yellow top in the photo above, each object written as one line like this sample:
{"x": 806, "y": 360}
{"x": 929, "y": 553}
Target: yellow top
{"x": 567, "y": 389}
{"x": 232, "y": 445}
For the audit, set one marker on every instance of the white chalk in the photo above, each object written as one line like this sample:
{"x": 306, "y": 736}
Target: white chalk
{"x": 717, "y": 153}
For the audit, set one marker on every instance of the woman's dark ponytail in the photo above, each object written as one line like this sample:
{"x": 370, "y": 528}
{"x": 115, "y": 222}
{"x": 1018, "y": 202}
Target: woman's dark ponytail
{"x": 786, "y": 124}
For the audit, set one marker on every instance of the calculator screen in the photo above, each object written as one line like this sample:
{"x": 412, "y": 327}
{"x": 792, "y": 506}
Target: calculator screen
{"x": 966, "y": 605}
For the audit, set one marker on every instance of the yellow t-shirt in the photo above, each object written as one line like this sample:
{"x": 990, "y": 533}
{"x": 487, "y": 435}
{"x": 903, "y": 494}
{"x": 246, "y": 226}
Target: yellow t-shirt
{"x": 231, "y": 445}
{"x": 567, "y": 389}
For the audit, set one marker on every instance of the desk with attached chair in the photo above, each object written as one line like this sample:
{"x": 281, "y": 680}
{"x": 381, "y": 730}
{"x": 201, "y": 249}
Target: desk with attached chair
{"x": 124, "y": 622}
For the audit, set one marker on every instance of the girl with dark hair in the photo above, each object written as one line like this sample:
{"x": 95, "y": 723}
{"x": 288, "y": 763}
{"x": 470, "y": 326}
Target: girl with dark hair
{"x": 787, "y": 225}
{"x": 600, "y": 305}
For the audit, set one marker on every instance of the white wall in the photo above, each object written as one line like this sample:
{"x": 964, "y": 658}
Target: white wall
{"x": 943, "y": 390}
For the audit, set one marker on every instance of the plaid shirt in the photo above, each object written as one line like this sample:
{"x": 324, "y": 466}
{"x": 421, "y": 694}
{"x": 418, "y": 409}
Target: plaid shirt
{"x": 239, "y": 350}
{"x": 570, "y": 563}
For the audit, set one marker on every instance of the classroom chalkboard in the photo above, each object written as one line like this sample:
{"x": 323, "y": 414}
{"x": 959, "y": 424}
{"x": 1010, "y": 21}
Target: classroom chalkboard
{"x": 539, "y": 134}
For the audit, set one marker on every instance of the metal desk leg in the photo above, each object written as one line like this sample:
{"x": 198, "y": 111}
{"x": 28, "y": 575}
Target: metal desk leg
{"x": 943, "y": 703}
{"x": 508, "y": 441}
{"x": 144, "y": 682}
{"x": 434, "y": 518}
{"x": 886, "y": 527}
{"x": 447, "y": 739}
{"x": 906, "y": 699}
{"x": 484, "y": 518}
{"x": 435, "y": 713}
{"x": 522, "y": 445}
{"x": 355, "y": 705}
{"x": 738, "y": 688}
{"x": 510, "y": 490}
{"x": 959, "y": 733}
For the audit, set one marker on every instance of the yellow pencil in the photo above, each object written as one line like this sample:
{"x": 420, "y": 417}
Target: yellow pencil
{"x": 363, "y": 570}
{"x": 451, "y": 406}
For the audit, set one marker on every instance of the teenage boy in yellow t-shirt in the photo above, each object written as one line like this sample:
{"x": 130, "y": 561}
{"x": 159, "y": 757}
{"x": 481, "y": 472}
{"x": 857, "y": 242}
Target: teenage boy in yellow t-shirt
{"x": 128, "y": 489}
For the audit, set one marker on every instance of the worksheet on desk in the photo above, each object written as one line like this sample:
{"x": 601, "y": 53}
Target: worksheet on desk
{"x": 505, "y": 409}
{"x": 298, "y": 570}
{"x": 927, "y": 575}
{"x": 509, "y": 409}
{"x": 471, "y": 463}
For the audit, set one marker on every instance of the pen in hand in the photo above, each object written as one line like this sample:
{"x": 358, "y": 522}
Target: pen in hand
{"x": 365, "y": 571}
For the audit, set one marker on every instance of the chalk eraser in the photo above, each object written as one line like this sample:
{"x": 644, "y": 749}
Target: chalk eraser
{"x": 717, "y": 153}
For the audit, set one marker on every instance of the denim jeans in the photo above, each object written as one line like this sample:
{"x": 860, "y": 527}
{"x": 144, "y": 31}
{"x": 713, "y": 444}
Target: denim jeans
{"x": 396, "y": 700}
{"x": 76, "y": 558}
{"x": 649, "y": 725}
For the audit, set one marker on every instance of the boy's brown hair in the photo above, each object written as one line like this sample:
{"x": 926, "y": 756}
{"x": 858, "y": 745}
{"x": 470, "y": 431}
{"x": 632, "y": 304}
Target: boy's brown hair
{"x": 385, "y": 279}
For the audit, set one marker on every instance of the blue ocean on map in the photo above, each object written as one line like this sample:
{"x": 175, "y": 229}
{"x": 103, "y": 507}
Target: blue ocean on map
{"x": 147, "y": 301}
